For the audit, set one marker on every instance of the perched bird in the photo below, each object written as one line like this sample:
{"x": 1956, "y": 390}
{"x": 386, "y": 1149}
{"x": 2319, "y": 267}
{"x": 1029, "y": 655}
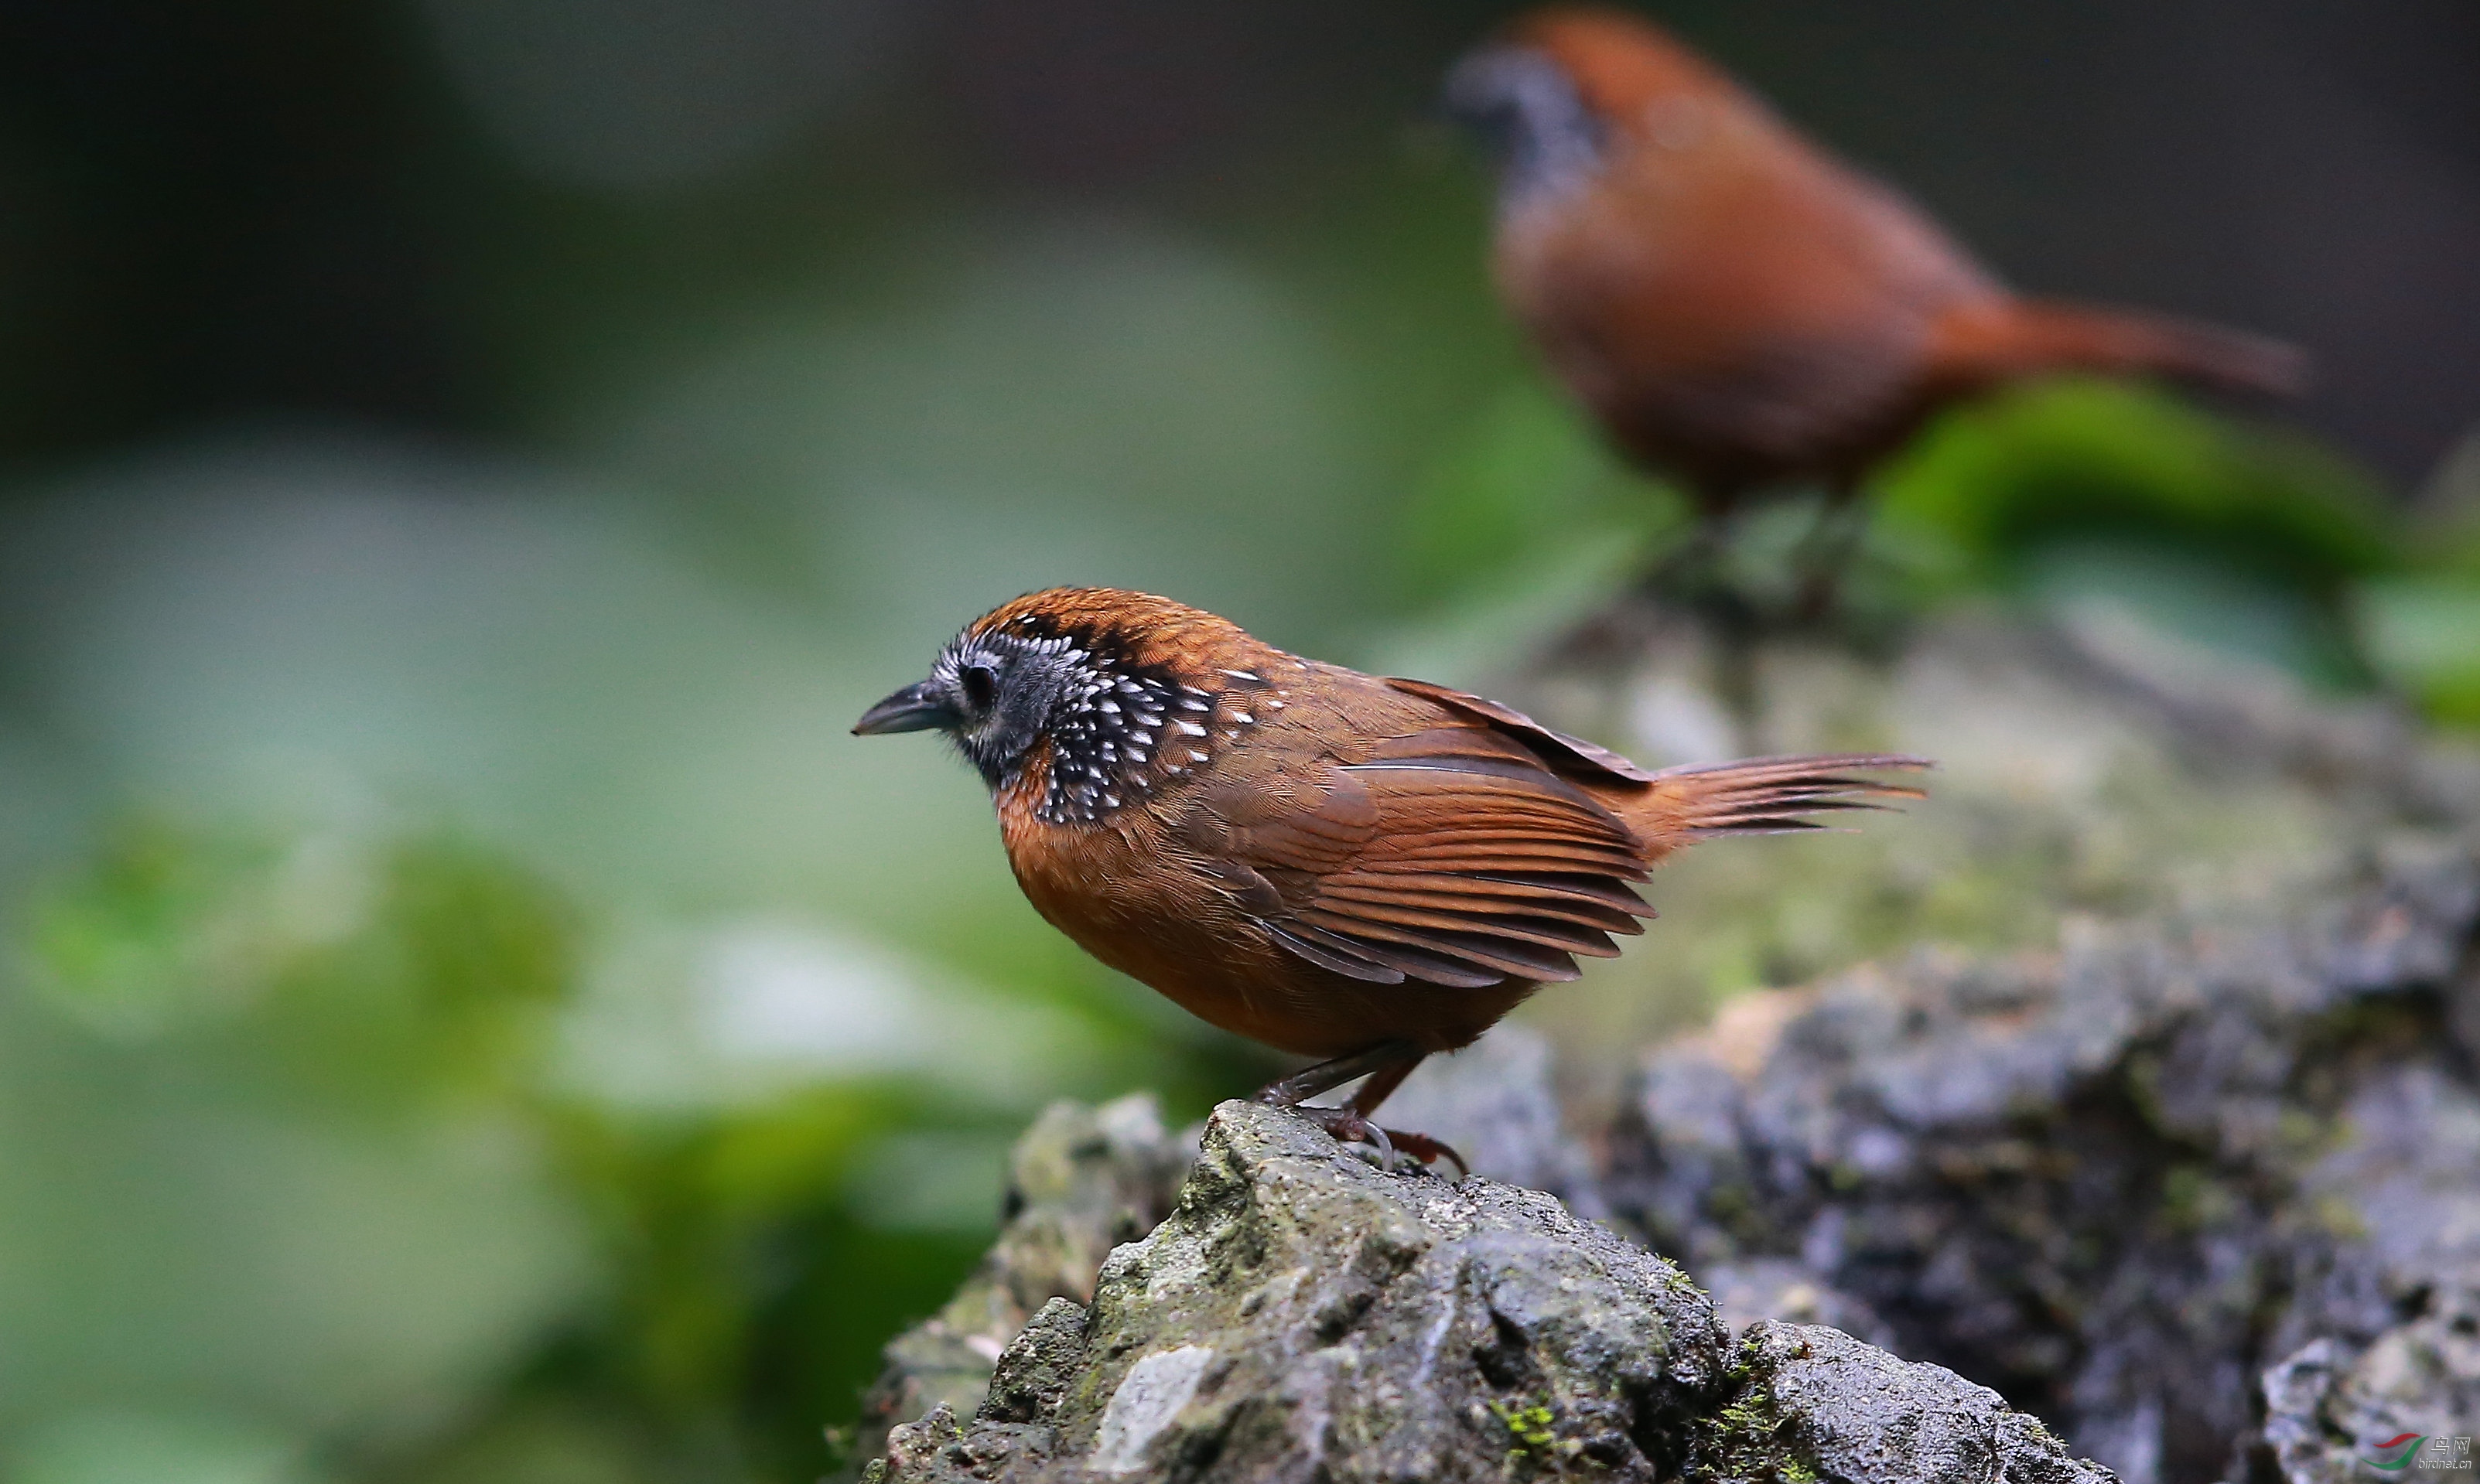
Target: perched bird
{"x": 1739, "y": 309}
{"x": 1340, "y": 866}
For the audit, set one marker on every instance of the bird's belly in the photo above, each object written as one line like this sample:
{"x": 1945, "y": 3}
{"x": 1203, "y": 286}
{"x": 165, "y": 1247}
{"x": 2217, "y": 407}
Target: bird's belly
{"x": 1297, "y": 1007}
{"x": 1177, "y": 933}
{"x": 1703, "y": 364}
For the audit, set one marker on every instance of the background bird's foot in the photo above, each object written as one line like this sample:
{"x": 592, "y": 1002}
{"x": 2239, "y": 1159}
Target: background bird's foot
{"x": 1821, "y": 592}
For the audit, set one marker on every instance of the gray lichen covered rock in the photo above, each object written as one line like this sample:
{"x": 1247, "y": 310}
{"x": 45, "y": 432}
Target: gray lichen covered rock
{"x": 2089, "y": 767}
{"x": 2121, "y": 1180}
{"x": 1851, "y": 1411}
{"x": 2421, "y": 1377}
{"x": 1080, "y": 1182}
{"x": 1302, "y": 1314}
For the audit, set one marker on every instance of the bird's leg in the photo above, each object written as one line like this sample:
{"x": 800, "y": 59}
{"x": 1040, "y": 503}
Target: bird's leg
{"x": 1613, "y": 637}
{"x": 1692, "y": 557}
{"x": 1695, "y": 573}
{"x": 1827, "y": 549}
{"x": 1386, "y": 1065}
{"x": 1324, "y": 1076}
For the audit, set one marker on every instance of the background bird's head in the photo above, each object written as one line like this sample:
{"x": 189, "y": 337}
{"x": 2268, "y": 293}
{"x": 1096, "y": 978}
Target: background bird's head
{"x": 1560, "y": 90}
{"x": 1093, "y": 671}
{"x": 1524, "y": 110}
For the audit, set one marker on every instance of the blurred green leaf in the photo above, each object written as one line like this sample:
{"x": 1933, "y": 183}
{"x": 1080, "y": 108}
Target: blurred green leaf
{"x": 136, "y": 1448}
{"x": 166, "y": 926}
{"x": 2233, "y": 609}
{"x": 2446, "y": 514}
{"x": 2422, "y": 635}
{"x": 355, "y": 974}
{"x": 1527, "y": 484}
{"x": 380, "y": 1027}
{"x": 1992, "y": 483}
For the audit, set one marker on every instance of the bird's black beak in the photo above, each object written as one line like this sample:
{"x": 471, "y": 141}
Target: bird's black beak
{"x": 916, "y": 707}
{"x": 1474, "y": 95}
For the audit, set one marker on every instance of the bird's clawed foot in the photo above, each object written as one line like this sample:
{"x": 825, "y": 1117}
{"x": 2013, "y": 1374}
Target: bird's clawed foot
{"x": 1825, "y": 555}
{"x": 1385, "y": 1067}
{"x": 1351, "y": 1128}
{"x": 1427, "y": 1150}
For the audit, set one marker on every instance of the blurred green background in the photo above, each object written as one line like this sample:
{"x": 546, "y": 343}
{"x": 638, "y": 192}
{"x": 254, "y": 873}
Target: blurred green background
{"x": 468, "y": 1010}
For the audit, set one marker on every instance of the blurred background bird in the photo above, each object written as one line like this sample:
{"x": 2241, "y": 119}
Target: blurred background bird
{"x": 1342, "y": 866}
{"x": 1740, "y": 310}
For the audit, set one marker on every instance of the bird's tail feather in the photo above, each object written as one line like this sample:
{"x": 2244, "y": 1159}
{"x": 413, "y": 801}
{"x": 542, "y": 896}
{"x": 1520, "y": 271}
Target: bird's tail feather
{"x": 1761, "y": 796}
{"x": 2022, "y": 338}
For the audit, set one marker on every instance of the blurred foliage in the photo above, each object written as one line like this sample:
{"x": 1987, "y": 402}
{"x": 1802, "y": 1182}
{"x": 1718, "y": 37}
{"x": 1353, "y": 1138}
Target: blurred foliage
{"x": 2245, "y": 537}
{"x": 2422, "y": 633}
{"x": 1520, "y": 522}
{"x": 2249, "y": 538}
{"x": 2070, "y": 459}
{"x": 1519, "y": 488}
{"x": 2421, "y": 627}
{"x": 349, "y": 984}
{"x": 604, "y": 1289}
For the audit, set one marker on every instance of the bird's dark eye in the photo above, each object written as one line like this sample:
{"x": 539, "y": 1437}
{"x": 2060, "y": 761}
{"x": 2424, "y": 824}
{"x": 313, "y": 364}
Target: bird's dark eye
{"x": 981, "y": 686}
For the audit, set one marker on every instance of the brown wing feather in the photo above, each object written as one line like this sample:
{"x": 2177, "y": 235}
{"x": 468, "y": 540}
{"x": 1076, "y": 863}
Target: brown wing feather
{"x": 1556, "y": 747}
{"x": 1457, "y": 896}
{"x": 1452, "y": 856}
{"x": 1494, "y": 849}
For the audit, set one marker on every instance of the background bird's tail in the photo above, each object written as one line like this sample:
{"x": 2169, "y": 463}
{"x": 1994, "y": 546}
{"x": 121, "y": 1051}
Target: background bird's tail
{"x": 1999, "y": 342}
{"x": 1760, "y": 796}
